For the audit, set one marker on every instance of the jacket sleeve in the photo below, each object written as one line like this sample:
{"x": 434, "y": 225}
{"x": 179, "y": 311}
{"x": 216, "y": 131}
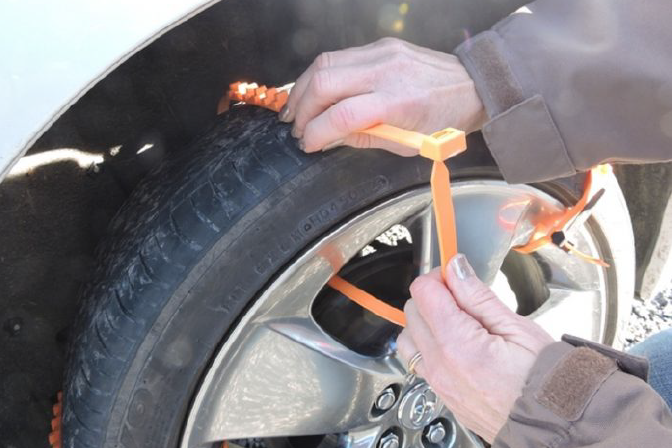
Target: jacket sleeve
{"x": 568, "y": 84}
{"x": 583, "y": 394}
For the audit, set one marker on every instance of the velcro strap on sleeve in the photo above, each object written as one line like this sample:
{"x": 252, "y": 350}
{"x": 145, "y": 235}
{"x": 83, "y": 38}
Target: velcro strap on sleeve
{"x": 568, "y": 388}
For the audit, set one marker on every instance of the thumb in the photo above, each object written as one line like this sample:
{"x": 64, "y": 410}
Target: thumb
{"x": 476, "y": 298}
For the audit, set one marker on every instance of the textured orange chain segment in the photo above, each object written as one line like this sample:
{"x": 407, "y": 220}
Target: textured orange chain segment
{"x": 55, "y": 434}
{"x": 256, "y": 95}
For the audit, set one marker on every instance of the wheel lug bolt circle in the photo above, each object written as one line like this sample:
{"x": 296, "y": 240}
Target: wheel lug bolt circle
{"x": 389, "y": 441}
{"x": 436, "y": 432}
{"x": 386, "y": 400}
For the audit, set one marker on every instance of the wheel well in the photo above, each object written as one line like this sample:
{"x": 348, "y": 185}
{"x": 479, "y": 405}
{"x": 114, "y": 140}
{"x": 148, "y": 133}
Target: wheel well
{"x": 55, "y": 211}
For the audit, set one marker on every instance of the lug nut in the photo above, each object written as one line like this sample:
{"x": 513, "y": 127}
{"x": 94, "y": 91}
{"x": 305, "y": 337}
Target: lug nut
{"x": 436, "y": 432}
{"x": 386, "y": 399}
{"x": 389, "y": 441}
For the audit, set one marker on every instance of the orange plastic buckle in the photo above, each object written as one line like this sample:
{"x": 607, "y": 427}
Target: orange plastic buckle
{"x": 438, "y": 147}
{"x": 557, "y": 222}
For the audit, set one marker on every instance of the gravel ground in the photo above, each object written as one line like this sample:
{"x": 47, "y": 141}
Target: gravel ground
{"x": 649, "y": 317}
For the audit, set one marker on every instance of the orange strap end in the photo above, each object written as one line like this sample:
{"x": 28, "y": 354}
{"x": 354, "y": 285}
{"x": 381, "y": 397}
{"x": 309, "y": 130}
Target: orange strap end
{"x": 585, "y": 257}
{"x": 367, "y": 301}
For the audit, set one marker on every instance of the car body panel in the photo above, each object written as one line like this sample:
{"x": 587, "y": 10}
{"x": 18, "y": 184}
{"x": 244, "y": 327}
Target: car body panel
{"x": 53, "y": 52}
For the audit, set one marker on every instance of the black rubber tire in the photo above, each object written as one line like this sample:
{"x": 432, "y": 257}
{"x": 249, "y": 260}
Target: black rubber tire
{"x": 193, "y": 247}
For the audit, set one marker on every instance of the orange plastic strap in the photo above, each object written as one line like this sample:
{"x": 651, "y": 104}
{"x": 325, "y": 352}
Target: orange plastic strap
{"x": 585, "y": 257}
{"x": 438, "y": 147}
{"x": 367, "y": 301}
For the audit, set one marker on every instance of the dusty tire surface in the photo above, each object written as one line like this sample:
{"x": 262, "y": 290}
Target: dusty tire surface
{"x": 191, "y": 250}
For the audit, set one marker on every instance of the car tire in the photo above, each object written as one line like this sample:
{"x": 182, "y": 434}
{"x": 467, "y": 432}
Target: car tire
{"x": 201, "y": 237}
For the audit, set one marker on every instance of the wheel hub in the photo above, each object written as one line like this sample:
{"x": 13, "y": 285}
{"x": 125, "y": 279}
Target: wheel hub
{"x": 419, "y": 406}
{"x": 417, "y": 419}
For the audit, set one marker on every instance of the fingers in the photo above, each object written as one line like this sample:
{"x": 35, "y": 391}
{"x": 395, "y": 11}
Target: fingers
{"x": 476, "y": 298}
{"x": 340, "y": 120}
{"x": 329, "y": 86}
{"x": 439, "y": 309}
{"x": 351, "y": 56}
{"x": 407, "y": 349}
{"x": 422, "y": 339}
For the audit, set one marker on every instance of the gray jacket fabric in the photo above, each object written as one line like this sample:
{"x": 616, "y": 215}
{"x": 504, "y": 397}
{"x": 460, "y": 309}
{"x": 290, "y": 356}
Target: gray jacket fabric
{"x": 568, "y": 84}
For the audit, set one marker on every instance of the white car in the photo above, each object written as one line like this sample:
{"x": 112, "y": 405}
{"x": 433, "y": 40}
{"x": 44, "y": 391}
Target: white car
{"x": 166, "y": 267}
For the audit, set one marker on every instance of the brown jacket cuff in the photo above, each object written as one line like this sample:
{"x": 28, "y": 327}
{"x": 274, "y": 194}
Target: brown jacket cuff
{"x": 579, "y": 391}
{"x": 520, "y": 126}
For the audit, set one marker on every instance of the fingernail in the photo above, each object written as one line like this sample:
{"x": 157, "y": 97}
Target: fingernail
{"x": 284, "y": 114}
{"x": 461, "y": 267}
{"x": 302, "y": 145}
{"x": 333, "y": 145}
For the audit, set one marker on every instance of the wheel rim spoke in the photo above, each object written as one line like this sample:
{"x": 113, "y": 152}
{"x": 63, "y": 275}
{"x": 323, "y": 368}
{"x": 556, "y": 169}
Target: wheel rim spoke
{"x": 570, "y": 311}
{"x": 277, "y": 335}
{"x": 487, "y": 232}
{"x": 292, "y": 379}
{"x": 425, "y": 241}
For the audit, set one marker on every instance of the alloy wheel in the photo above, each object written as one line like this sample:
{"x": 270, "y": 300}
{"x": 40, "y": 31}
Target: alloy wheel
{"x": 300, "y": 363}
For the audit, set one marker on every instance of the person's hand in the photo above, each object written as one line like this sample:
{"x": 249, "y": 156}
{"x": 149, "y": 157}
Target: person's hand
{"x": 389, "y": 81}
{"x": 476, "y": 352}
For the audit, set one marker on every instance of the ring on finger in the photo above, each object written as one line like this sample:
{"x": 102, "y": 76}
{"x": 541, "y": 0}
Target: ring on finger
{"x": 413, "y": 363}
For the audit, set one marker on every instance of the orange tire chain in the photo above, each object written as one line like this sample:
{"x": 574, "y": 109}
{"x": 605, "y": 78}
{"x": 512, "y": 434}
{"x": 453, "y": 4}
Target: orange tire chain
{"x": 55, "y": 434}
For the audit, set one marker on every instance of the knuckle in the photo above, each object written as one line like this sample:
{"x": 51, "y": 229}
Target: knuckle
{"x": 360, "y": 140}
{"x": 399, "y": 59}
{"x": 321, "y": 83}
{"x": 323, "y": 60}
{"x": 418, "y": 287}
{"x": 482, "y": 295}
{"x": 393, "y": 43}
{"x": 342, "y": 118}
{"x": 385, "y": 40}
